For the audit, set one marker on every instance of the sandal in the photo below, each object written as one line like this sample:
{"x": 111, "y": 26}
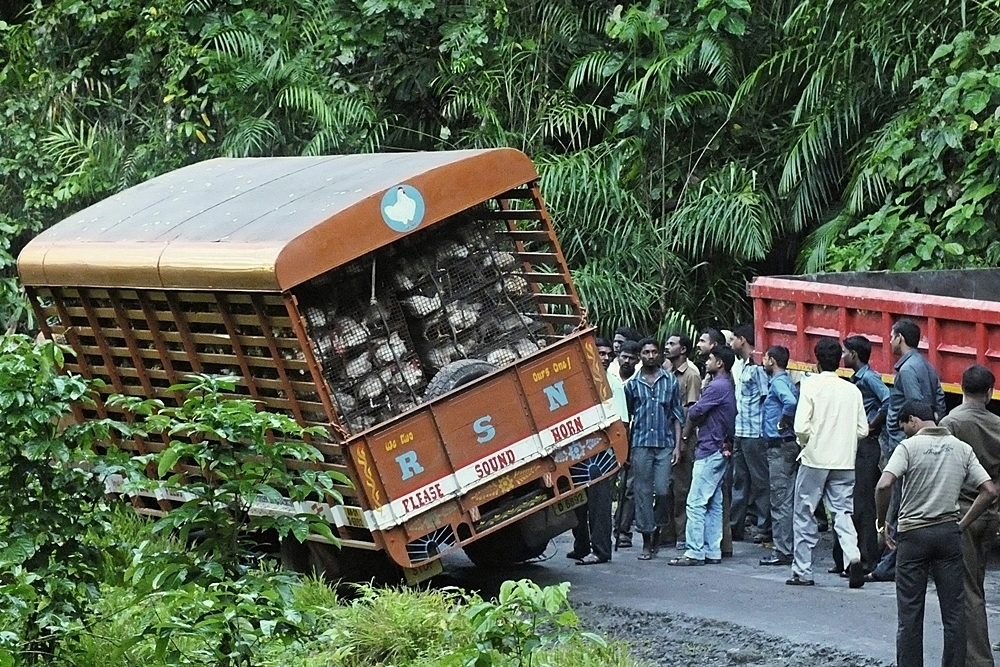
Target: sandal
{"x": 646, "y": 555}
{"x": 685, "y": 561}
{"x": 592, "y": 559}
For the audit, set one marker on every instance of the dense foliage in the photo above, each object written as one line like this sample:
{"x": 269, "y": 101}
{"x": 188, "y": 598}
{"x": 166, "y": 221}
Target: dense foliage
{"x": 683, "y": 146}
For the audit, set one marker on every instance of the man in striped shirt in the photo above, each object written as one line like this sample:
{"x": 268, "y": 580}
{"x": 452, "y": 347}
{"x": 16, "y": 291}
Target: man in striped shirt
{"x": 656, "y": 416}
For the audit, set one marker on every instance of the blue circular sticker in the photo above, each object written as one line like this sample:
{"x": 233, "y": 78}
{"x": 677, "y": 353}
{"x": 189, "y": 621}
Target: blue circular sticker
{"x": 402, "y": 208}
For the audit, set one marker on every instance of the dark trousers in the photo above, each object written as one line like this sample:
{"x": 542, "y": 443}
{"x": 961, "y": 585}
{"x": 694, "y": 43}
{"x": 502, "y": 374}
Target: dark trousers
{"x": 751, "y": 493}
{"x": 681, "y": 486}
{"x": 626, "y": 512}
{"x": 593, "y": 522}
{"x": 866, "y": 474}
{"x": 975, "y": 539}
{"x": 935, "y": 551}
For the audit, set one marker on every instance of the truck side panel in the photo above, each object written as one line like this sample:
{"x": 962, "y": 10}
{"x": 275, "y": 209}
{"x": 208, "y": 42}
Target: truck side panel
{"x": 956, "y": 332}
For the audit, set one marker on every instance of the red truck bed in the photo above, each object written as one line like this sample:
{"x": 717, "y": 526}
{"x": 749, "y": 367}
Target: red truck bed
{"x": 958, "y": 313}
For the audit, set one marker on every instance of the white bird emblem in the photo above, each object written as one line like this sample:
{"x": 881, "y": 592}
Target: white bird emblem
{"x": 404, "y": 209}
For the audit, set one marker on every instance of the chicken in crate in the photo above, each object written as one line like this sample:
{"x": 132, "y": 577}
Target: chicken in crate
{"x": 384, "y": 326}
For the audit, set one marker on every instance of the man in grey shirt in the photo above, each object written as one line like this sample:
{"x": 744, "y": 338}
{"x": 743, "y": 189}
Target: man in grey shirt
{"x": 934, "y": 465}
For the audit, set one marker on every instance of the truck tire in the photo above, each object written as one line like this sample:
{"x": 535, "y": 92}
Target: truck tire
{"x": 504, "y": 547}
{"x": 456, "y": 374}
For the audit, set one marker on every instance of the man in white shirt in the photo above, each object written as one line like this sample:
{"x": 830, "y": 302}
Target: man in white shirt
{"x": 828, "y": 423}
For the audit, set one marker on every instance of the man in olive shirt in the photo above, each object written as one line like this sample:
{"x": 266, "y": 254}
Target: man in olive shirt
{"x": 973, "y": 423}
{"x": 676, "y": 351}
{"x": 934, "y": 466}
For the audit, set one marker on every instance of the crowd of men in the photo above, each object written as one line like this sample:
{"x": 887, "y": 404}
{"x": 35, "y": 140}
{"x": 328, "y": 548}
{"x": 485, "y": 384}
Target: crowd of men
{"x": 745, "y": 452}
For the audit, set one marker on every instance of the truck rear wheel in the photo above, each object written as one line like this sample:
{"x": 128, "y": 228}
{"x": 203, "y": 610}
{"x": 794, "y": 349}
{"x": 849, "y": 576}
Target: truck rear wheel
{"x": 456, "y": 374}
{"x": 504, "y": 547}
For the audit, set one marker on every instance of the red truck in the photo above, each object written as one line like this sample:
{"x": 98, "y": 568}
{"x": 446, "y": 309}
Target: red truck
{"x": 957, "y": 311}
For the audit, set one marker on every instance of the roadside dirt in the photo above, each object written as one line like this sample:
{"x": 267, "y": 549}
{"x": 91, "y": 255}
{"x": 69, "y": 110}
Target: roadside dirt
{"x": 677, "y": 640}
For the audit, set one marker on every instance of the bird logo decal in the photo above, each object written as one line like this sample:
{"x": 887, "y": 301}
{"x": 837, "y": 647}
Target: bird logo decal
{"x": 402, "y": 208}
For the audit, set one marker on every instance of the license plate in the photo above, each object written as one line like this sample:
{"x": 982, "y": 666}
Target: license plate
{"x": 570, "y": 503}
{"x": 414, "y": 575}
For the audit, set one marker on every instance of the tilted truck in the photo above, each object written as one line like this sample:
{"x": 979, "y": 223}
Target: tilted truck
{"x": 958, "y": 312}
{"x": 417, "y": 305}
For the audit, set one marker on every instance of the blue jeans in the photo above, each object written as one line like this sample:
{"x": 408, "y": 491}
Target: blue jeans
{"x": 704, "y": 508}
{"x": 652, "y": 487}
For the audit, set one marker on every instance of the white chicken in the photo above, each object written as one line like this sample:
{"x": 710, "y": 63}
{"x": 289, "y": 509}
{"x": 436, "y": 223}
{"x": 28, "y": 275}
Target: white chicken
{"x": 323, "y": 347}
{"x": 411, "y": 374}
{"x": 451, "y": 250}
{"x": 358, "y": 367}
{"x": 440, "y": 356}
{"x": 360, "y": 423}
{"x": 348, "y": 334}
{"x": 513, "y": 284}
{"x": 422, "y": 306}
{"x": 370, "y": 388}
{"x": 525, "y": 347}
{"x": 316, "y": 317}
{"x": 501, "y": 356}
{"x": 461, "y": 315}
{"x": 344, "y": 401}
{"x": 391, "y": 349}
{"x": 377, "y": 314}
{"x": 501, "y": 260}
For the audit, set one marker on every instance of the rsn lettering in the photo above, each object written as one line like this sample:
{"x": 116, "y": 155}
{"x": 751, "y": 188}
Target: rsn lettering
{"x": 556, "y": 393}
{"x": 495, "y": 463}
{"x": 484, "y": 429}
{"x": 566, "y": 429}
{"x": 409, "y": 465}
{"x": 418, "y": 499}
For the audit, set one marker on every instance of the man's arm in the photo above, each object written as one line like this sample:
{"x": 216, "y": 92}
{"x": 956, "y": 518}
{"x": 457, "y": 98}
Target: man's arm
{"x": 883, "y": 494}
{"x": 874, "y": 383}
{"x": 862, "y": 418}
{"x": 803, "y": 415}
{"x": 789, "y": 402}
{"x": 987, "y": 494}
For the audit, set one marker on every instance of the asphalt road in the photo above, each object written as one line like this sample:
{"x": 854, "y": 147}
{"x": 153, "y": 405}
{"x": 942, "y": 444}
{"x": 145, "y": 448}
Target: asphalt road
{"x": 740, "y": 592}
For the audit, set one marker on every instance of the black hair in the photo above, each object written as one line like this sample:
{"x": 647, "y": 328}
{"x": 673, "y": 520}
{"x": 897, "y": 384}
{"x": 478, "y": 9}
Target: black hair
{"x": 744, "y": 331}
{"x": 630, "y": 333}
{"x": 714, "y": 335}
{"x": 919, "y": 409}
{"x": 978, "y": 380}
{"x": 725, "y": 354}
{"x": 909, "y": 330}
{"x": 603, "y": 342}
{"x": 631, "y": 347}
{"x": 649, "y": 341}
{"x": 780, "y": 355}
{"x": 682, "y": 340}
{"x": 827, "y": 351}
{"x": 860, "y": 346}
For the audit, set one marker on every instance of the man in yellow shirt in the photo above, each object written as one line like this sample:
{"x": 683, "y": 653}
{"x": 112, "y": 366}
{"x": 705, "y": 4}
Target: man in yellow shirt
{"x": 828, "y": 423}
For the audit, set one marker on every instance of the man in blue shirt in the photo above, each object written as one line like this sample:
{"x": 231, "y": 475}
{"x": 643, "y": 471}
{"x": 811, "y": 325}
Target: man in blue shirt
{"x": 715, "y": 416}
{"x": 655, "y": 416}
{"x": 874, "y": 393}
{"x": 782, "y": 452}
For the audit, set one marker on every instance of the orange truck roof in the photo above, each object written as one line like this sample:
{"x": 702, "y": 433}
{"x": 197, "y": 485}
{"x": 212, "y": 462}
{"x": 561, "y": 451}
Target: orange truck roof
{"x": 260, "y": 224}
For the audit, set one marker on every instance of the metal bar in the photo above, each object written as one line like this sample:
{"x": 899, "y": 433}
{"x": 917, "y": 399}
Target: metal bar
{"x": 279, "y": 365}
{"x": 234, "y": 340}
{"x": 182, "y": 328}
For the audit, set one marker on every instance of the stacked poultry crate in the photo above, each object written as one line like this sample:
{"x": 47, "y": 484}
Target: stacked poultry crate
{"x": 385, "y": 324}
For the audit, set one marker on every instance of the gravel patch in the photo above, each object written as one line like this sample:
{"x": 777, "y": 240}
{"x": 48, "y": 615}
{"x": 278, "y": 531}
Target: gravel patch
{"x": 677, "y": 640}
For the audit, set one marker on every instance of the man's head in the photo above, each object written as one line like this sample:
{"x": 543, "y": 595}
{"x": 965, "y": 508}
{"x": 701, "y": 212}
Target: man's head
{"x": 828, "y": 352}
{"x": 857, "y": 351}
{"x": 649, "y": 353}
{"x": 623, "y": 334}
{"x": 709, "y": 339}
{"x": 628, "y": 357}
{"x": 720, "y": 360}
{"x": 775, "y": 359}
{"x": 743, "y": 340}
{"x": 977, "y": 384}
{"x": 915, "y": 415}
{"x": 605, "y": 351}
{"x": 905, "y": 336}
{"x": 678, "y": 348}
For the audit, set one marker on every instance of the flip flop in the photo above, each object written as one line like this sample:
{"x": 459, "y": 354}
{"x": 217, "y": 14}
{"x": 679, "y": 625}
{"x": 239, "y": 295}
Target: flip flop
{"x": 684, "y": 561}
{"x": 645, "y": 555}
{"x": 591, "y": 559}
